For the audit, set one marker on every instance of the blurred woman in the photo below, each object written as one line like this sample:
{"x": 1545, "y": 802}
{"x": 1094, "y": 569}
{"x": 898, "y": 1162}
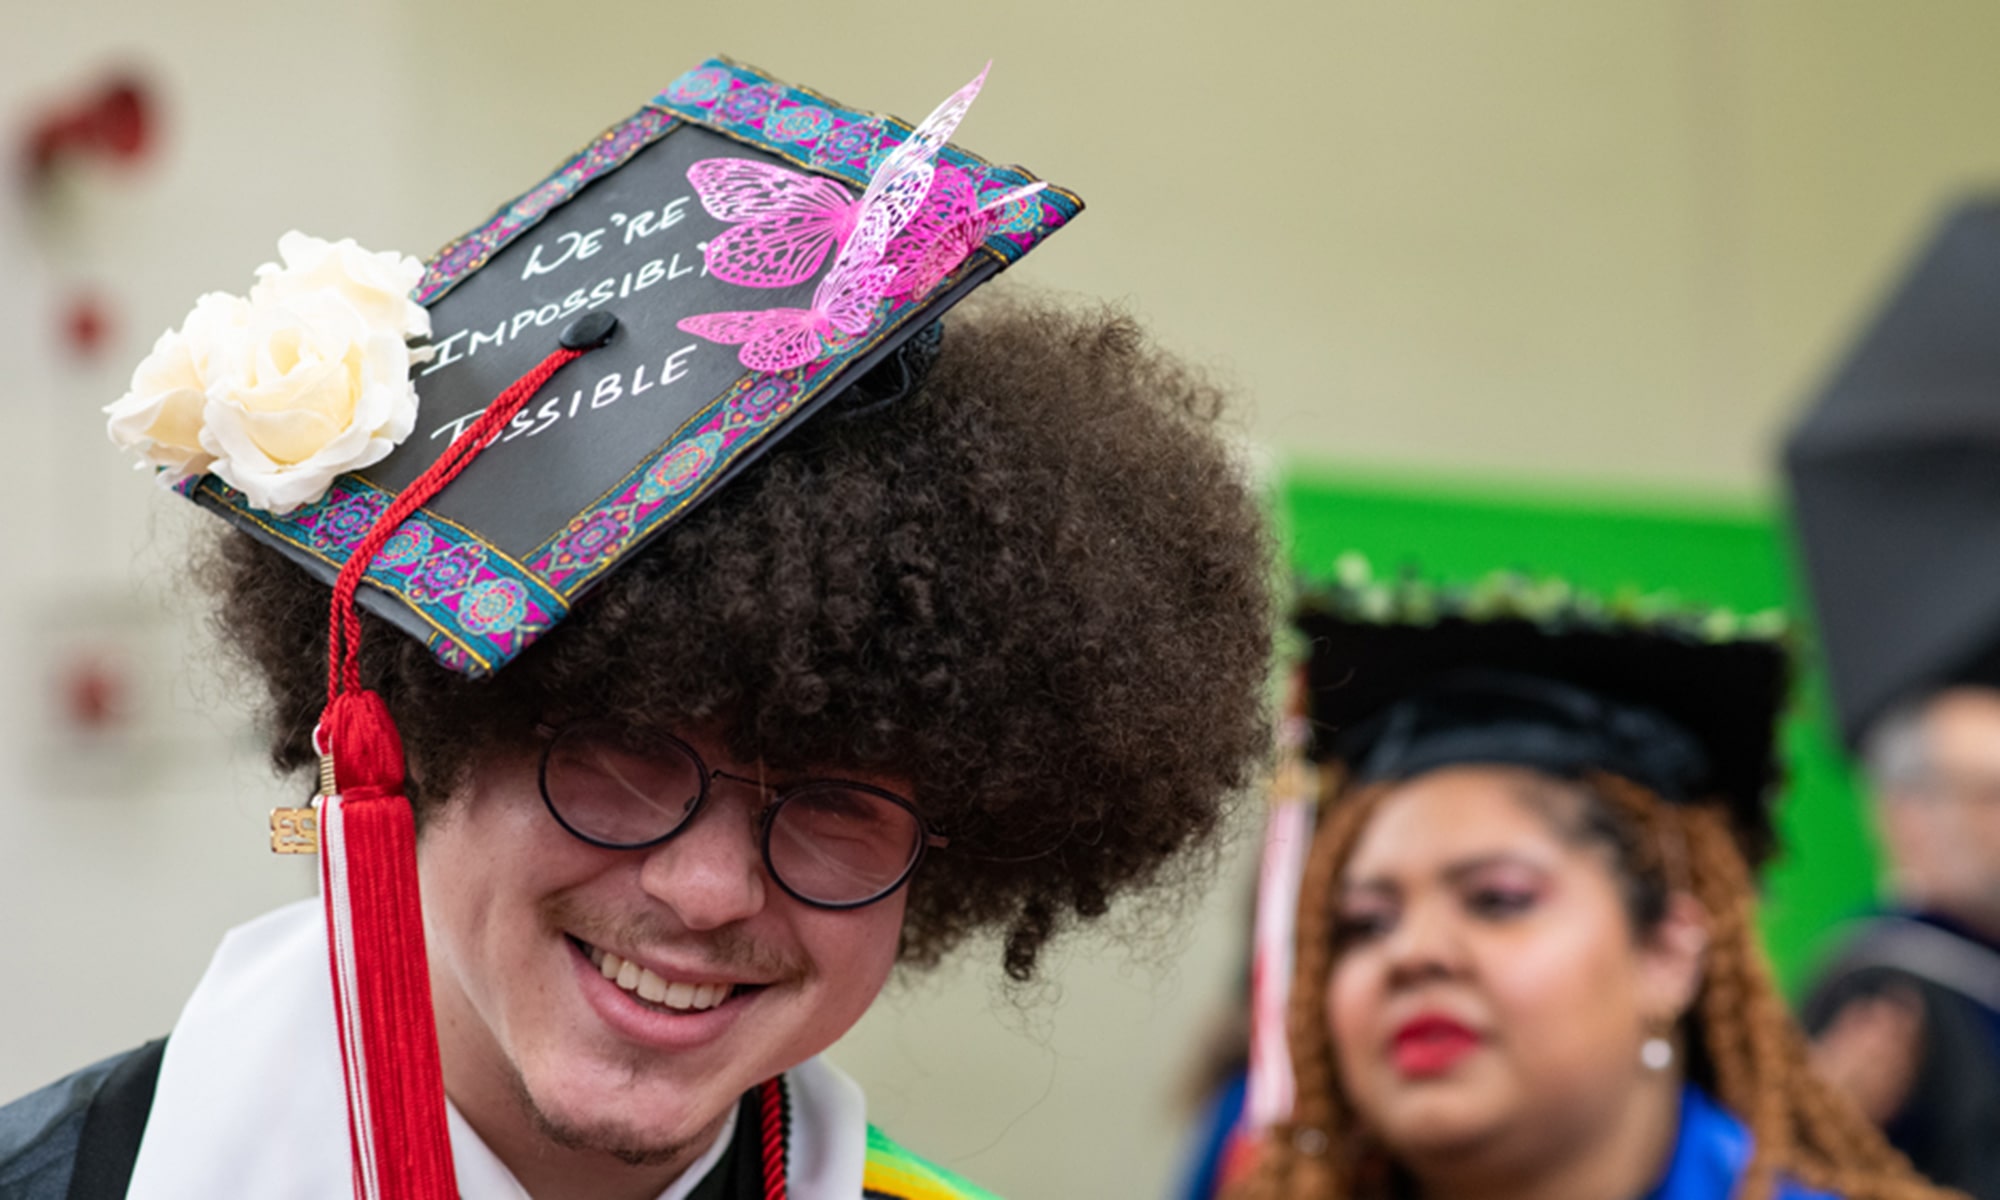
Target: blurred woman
{"x": 1526, "y": 955}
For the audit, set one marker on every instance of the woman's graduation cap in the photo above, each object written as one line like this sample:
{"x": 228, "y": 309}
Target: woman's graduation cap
{"x": 737, "y": 256}
{"x": 1404, "y": 674}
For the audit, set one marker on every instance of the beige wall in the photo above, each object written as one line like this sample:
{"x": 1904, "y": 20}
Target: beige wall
{"x": 1593, "y": 240}
{"x": 1610, "y": 240}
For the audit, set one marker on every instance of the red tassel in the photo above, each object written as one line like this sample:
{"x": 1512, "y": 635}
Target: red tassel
{"x": 387, "y": 1011}
{"x": 366, "y": 747}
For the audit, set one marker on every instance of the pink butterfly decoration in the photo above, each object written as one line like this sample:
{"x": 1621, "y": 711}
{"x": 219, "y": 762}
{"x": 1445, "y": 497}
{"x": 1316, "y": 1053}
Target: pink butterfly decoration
{"x": 789, "y": 220}
{"x": 792, "y": 228}
{"x": 946, "y": 230}
{"x": 778, "y": 339}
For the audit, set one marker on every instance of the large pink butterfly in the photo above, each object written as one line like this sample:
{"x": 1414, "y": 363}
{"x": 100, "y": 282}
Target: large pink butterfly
{"x": 789, "y": 220}
{"x": 945, "y": 230}
{"x": 849, "y": 298}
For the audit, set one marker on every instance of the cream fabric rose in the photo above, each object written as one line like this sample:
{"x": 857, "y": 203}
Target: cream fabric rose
{"x": 312, "y": 390}
{"x": 161, "y": 416}
{"x": 280, "y": 393}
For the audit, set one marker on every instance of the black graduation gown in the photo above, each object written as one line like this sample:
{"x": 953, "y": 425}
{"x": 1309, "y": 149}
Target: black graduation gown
{"x": 77, "y": 1138}
{"x": 1948, "y": 1124}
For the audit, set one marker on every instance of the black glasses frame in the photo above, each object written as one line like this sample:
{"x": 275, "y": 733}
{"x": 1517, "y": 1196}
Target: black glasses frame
{"x": 766, "y": 818}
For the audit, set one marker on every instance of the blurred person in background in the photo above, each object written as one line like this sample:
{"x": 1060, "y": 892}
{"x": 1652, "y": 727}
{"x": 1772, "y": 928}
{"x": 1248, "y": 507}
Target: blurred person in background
{"x": 1892, "y": 474}
{"x": 1526, "y": 957}
{"x": 1906, "y": 1017}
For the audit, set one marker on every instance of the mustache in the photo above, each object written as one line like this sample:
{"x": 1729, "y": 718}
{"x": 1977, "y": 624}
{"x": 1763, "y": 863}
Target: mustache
{"x": 728, "y": 950}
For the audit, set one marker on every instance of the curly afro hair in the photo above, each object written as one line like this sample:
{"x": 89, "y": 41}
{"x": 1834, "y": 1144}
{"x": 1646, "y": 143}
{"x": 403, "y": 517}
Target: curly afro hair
{"x": 1038, "y": 589}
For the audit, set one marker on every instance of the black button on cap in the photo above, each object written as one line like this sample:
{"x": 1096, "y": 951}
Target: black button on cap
{"x": 589, "y": 331}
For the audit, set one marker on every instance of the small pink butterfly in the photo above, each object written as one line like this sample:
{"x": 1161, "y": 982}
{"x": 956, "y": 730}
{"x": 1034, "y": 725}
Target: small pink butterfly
{"x": 778, "y": 339}
{"x": 848, "y": 300}
{"x": 948, "y": 228}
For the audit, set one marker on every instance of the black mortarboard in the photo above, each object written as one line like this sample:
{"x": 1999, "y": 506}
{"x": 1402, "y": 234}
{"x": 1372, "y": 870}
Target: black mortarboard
{"x": 727, "y": 178}
{"x": 1894, "y": 475}
{"x": 1405, "y": 676}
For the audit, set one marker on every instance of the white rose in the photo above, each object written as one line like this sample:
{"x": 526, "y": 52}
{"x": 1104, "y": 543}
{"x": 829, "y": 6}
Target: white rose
{"x": 161, "y": 415}
{"x": 305, "y": 391}
{"x": 279, "y": 393}
{"x": 377, "y": 285}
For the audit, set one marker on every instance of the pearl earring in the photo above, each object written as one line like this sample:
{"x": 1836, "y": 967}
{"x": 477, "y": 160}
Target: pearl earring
{"x": 1656, "y": 1053}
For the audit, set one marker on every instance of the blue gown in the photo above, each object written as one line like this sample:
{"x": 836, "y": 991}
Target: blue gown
{"x": 1711, "y": 1153}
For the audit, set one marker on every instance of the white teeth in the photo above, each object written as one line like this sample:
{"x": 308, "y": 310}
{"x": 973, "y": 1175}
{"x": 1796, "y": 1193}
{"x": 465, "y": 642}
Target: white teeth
{"x": 652, "y": 987}
{"x": 686, "y": 997}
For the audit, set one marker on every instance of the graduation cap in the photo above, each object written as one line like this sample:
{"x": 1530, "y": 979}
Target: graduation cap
{"x": 755, "y": 277}
{"x": 759, "y": 249}
{"x": 1405, "y": 675}
{"x": 603, "y": 354}
{"x": 1894, "y": 475}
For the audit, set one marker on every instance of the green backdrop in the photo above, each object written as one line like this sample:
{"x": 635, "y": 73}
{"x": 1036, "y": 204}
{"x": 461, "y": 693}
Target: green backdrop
{"x": 1707, "y": 553}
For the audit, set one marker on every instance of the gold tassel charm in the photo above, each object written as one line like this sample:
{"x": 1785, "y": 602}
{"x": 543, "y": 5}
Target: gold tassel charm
{"x": 296, "y": 830}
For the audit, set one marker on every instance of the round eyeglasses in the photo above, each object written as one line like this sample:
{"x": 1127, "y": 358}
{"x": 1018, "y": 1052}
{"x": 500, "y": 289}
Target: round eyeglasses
{"x": 830, "y": 843}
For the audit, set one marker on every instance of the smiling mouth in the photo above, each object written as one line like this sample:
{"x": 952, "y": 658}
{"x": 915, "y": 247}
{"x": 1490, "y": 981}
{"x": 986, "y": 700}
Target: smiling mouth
{"x": 654, "y": 992}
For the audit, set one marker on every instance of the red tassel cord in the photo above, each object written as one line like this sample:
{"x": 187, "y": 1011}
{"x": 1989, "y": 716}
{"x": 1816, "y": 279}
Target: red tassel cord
{"x": 772, "y": 1107}
{"x": 397, "y": 1128}
{"x": 343, "y": 668}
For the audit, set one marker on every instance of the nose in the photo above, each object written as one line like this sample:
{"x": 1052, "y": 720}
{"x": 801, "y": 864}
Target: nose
{"x": 1424, "y": 944}
{"x": 711, "y": 873}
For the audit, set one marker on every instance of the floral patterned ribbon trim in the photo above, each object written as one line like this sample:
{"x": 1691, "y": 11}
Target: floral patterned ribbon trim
{"x": 792, "y": 123}
{"x": 484, "y": 608}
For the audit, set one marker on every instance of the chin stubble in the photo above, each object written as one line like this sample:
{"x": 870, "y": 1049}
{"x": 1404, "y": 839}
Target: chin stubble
{"x": 618, "y": 1143}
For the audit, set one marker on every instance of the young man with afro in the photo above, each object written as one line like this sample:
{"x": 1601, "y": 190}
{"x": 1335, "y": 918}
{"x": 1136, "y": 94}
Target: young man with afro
{"x": 1025, "y": 603}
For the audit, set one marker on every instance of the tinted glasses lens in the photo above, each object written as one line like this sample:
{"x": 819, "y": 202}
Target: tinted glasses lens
{"x": 837, "y": 843}
{"x": 610, "y": 791}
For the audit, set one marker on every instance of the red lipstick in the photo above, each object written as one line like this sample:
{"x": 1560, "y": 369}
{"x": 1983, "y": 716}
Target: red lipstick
{"x": 1430, "y": 1045}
